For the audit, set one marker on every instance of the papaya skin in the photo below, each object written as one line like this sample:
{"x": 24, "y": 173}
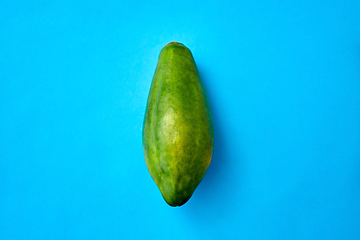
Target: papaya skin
{"x": 178, "y": 134}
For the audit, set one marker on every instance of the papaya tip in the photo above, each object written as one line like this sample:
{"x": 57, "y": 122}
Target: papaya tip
{"x": 174, "y": 42}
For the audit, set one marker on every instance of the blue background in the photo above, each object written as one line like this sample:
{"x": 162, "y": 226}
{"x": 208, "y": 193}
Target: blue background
{"x": 283, "y": 80}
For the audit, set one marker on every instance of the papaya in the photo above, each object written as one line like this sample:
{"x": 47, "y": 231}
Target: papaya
{"x": 178, "y": 132}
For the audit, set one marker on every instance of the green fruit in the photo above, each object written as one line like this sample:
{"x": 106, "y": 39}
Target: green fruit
{"x": 178, "y": 134}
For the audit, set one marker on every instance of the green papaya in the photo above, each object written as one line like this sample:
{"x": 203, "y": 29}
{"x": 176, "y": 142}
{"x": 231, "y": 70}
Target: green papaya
{"x": 178, "y": 133}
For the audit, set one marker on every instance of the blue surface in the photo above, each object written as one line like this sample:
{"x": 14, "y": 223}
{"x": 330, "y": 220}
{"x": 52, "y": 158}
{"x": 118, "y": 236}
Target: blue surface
{"x": 284, "y": 86}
